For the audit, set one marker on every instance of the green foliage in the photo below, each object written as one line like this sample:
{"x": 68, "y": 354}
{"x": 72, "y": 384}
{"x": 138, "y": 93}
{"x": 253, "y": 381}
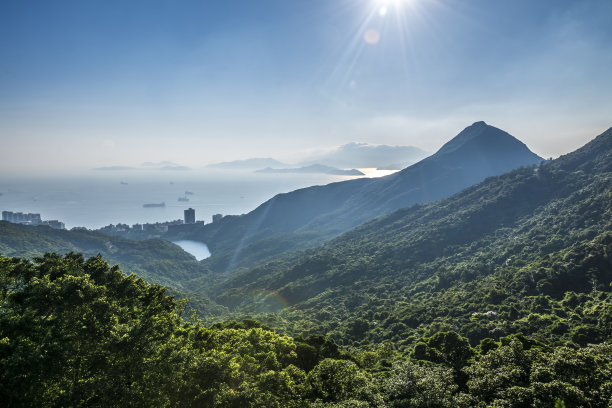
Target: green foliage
{"x": 412, "y": 385}
{"x": 500, "y": 296}
{"x": 527, "y": 252}
{"x": 515, "y": 376}
{"x": 156, "y": 260}
{"x": 337, "y": 380}
{"x": 76, "y": 332}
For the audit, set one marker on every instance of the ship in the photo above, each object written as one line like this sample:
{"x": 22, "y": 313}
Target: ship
{"x": 188, "y": 193}
{"x": 154, "y": 205}
{"x": 183, "y": 199}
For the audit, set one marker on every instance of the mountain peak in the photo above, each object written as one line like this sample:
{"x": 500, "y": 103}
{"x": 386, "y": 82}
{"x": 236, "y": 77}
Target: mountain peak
{"x": 485, "y": 139}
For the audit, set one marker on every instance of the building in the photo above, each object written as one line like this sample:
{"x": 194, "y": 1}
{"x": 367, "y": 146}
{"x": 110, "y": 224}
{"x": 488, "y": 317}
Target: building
{"x": 55, "y": 224}
{"x": 21, "y": 218}
{"x": 216, "y": 217}
{"x": 190, "y": 216}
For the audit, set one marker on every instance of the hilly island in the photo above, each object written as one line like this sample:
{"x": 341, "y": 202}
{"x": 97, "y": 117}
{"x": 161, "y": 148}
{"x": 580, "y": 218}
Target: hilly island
{"x": 480, "y": 276}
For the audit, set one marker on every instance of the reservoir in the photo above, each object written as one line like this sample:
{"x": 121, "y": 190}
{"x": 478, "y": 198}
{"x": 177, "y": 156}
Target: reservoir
{"x": 195, "y": 248}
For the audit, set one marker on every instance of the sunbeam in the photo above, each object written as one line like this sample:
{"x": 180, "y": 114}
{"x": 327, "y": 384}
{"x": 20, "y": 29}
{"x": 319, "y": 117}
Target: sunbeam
{"x": 385, "y": 24}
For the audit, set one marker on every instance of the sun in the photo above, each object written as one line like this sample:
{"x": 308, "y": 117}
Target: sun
{"x": 384, "y": 6}
{"x": 395, "y": 3}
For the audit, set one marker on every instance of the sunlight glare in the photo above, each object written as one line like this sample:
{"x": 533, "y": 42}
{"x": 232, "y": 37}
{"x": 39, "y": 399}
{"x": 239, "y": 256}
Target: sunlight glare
{"x": 371, "y": 36}
{"x": 394, "y": 3}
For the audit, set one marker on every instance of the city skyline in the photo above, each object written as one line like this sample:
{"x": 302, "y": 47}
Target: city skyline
{"x": 91, "y": 84}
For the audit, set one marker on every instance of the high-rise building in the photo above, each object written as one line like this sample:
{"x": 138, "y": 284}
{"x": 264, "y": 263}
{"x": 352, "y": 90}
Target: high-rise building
{"x": 190, "y": 216}
{"x": 21, "y": 218}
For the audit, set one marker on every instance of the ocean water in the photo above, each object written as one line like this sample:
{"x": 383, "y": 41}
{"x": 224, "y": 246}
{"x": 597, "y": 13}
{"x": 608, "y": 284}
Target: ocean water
{"x": 94, "y": 199}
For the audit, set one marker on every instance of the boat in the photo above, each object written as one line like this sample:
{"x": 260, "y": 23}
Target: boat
{"x": 153, "y": 205}
{"x": 188, "y": 193}
{"x": 123, "y": 183}
{"x": 183, "y": 199}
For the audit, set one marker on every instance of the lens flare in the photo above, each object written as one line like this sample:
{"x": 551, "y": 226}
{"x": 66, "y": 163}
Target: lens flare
{"x": 371, "y": 36}
{"x": 383, "y": 26}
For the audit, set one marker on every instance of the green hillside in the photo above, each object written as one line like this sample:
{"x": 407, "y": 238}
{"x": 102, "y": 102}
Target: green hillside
{"x": 529, "y": 251}
{"x": 156, "y": 260}
{"x": 78, "y": 333}
{"x": 499, "y": 296}
{"x": 310, "y": 216}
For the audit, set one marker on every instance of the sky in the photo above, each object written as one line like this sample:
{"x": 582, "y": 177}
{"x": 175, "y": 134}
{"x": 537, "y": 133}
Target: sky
{"x": 95, "y": 83}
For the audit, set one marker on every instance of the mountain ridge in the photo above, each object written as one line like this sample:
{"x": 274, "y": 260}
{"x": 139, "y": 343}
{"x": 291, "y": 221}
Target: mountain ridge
{"x": 530, "y": 235}
{"x": 307, "y": 217}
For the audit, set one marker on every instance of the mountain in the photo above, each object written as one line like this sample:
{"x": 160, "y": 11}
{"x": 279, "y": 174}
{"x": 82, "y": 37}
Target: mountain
{"x": 367, "y": 155}
{"x": 529, "y": 251}
{"x": 499, "y": 296}
{"x": 163, "y": 163}
{"x": 309, "y": 216}
{"x": 247, "y": 164}
{"x": 175, "y": 168}
{"x": 314, "y": 169}
{"x": 115, "y": 168}
{"x": 156, "y": 260}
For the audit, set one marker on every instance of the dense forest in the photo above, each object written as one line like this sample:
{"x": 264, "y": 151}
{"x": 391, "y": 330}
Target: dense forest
{"x": 527, "y": 252}
{"x": 156, "y": 260}
{"x": 498, "y": 296}
{"x": 77, "y": 332}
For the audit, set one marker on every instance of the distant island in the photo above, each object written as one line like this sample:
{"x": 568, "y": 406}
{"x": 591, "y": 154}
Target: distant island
{"x": 350, "y": 155}
{"x": 159, "y": 164}
{"x": 362, "y": 155}
{"x": 254, "y": 163}
{"x": 314, "y": 169}
{"x": 175, "y": 168}
{"x": 115, "y": 168}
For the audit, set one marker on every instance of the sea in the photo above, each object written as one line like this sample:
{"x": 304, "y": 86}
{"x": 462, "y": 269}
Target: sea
{"x": 93, "y": 199}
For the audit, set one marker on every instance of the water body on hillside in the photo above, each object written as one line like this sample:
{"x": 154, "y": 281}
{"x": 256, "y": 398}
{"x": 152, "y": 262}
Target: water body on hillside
{"x": 195, "y": 248}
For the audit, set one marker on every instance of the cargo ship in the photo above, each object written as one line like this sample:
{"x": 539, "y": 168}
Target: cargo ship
{"x": 154, "y": 205}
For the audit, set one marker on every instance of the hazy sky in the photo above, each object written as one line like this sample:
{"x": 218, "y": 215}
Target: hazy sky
{"x": 99, "y": 83}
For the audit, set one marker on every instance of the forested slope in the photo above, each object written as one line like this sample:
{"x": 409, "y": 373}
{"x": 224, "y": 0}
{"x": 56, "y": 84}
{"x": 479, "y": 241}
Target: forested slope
{"x": 78, "y": 333}
{"x": 156, "y": 260}
{"x": 308, "y": 217}
{"x": 529, "y": 251}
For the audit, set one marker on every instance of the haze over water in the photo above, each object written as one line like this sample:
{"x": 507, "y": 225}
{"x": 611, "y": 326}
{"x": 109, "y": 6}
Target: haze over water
{"x": 97, "y": 199}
